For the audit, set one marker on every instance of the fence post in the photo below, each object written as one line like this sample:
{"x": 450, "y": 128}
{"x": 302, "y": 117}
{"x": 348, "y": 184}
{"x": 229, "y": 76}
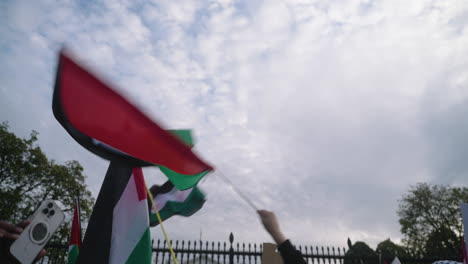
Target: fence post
{"x": 231, "y": 249}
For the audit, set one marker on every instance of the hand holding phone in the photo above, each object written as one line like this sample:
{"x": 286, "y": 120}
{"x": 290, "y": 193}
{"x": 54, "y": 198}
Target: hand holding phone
{"x": 35, "y": 236}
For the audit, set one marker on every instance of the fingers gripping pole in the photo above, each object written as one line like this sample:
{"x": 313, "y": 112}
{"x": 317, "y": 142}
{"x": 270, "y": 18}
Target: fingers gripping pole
{"x": 161, "y": 224}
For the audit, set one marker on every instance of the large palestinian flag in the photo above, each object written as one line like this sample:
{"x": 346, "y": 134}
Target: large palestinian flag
{"x": 105, "y": 123}
{"x": 75, "y": 236}
{"x": 170, "y": 201}
{"x": 118, "y": 230}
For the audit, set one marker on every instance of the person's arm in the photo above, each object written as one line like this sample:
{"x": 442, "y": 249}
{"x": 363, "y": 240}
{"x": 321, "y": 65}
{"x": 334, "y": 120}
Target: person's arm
{"x": 289, "y": 254}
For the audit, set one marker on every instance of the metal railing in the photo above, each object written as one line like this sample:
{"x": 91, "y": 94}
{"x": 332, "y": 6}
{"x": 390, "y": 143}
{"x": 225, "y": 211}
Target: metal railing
{"x": 198, "y": 252}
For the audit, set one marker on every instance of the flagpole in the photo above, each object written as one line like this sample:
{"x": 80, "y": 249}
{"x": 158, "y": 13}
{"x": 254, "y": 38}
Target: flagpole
{"x": 78, "y": 205}
{"x": 155, "y": 208}
{"x": 236, "y": 190}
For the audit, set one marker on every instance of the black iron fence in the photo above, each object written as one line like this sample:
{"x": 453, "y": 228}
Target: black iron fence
{"x": 202, "y": 252}
{"x": 198, "y": 252}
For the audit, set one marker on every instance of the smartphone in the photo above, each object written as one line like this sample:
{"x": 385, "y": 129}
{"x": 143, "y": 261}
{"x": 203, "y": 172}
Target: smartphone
{"x": 45, "y": 221}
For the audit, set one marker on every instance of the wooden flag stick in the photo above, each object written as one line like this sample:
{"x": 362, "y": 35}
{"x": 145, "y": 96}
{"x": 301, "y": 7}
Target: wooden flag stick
{"x": 236, "y": 190}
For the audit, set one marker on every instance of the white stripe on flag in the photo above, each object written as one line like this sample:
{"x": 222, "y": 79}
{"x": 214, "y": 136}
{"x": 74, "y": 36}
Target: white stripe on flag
{"x": 174, "y": 195}
{"x": 130, "y": 221}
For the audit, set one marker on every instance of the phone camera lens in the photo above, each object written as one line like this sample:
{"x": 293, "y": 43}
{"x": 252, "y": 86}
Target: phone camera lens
{"x": 50, "y": 205}
{"x": 45, "y": 211}
{"x": 51, "y": 213}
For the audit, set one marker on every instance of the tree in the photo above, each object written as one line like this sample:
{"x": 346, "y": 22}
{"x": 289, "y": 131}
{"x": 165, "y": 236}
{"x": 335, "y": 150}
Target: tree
{"x": 430, "y": 220}
{"x": 359, "y": 253}
{"x": 388, "y": 250}
{"x": 28, "y": 177}
{"x": 440, "y": 243}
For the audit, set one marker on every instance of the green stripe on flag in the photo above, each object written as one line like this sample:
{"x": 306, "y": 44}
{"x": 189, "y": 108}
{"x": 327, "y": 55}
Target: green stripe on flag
{"x": 192, "y": 204}
{"x": 73, "y": 254}
{"x": 183, "y": 134}
{"x": 142, "y": 251}
{"x": 189, "y": 206}
{"x": 181, "y": 181}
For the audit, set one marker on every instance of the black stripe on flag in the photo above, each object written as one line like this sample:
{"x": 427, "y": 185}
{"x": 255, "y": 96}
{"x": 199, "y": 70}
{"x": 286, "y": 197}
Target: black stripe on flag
{"x": 97, "y": 240}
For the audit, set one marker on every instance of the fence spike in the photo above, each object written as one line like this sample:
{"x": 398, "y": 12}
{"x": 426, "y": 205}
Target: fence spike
{"x": 224, "y": 255}
{"x": 334, "y": 255}
{"x": 207, "y": 252}
{"x": 164, "y": 253}
{"x": 312, "y": 253}
{"x": 340, "y": 260}
{"x": 243, "y": 250}
{"x": 182, "y": 247}
{"x": 250, "y": 256}
{"x": 255, "y": 250}
{"x": 157, "y": 251}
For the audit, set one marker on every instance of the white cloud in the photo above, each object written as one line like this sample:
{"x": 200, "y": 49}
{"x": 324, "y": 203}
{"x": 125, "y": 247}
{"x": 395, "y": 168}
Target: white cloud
{"x": 325, "y": 111}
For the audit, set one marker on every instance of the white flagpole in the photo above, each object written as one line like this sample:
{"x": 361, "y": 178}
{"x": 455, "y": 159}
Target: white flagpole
{"x": 236, "y": 190}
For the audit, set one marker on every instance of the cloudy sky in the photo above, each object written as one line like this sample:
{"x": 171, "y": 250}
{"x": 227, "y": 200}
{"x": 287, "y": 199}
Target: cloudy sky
{"x": 323, "y": 111}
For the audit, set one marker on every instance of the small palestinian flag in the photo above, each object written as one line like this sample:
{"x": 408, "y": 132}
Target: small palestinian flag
{"x": 75, "y": 237}
{"x": 171, "y": 201}
{"x": 118, "y": 230}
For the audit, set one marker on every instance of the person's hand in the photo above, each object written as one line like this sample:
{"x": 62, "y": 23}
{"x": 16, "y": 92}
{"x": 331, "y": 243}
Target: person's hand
{"x": 12, "y": 232}
{"x": 270, "y": 223}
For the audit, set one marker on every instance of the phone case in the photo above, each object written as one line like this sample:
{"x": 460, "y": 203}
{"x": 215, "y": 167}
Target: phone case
{"x": 35, "y": 236}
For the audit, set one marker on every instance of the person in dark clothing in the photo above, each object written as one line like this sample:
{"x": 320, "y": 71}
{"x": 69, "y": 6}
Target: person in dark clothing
{"x": 289, "y": 254}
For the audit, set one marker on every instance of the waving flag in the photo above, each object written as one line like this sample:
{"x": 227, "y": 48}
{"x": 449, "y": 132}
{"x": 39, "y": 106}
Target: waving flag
{"x": 170, "y": 201}
{"x": 96, "y": 116}
{"x": 118, "y": 230}
{"x": 75, "y": 237}
{"x": 183, "y": 182}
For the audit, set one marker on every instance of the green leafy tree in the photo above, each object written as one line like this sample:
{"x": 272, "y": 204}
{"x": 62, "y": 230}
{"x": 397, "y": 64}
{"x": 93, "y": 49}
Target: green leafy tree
{"x": 28, "y": 177}
{"x": 441, "y": 243}
{"x": 430, "y": 220}
{"x": 388, "y": 250}
{"x": 360, "y": 253}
